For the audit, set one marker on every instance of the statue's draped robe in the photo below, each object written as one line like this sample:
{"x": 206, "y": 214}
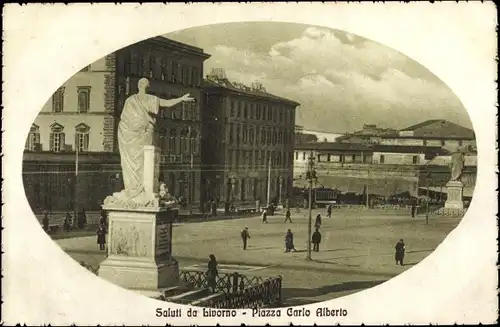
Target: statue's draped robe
{"x": 135, "y": 130}
{"x": 457, "y": 165}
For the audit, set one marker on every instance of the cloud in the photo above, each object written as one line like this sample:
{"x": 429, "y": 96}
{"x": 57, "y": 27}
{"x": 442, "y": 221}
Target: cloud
{"x": 342, "y": 81}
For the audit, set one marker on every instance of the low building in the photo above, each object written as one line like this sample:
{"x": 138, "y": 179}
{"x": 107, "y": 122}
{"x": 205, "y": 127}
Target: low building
{"x": 378, "y": 169}
{"x": 247, "y": 132}
{"x": 430, "y": 133}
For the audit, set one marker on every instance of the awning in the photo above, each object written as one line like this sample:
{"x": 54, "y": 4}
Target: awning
{"x": 467, "y": 191}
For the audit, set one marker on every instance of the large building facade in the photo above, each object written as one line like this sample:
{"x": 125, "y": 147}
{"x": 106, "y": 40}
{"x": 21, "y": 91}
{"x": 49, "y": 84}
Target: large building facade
{"x": 71, "y": 151}
{"x": 248, "y": 134}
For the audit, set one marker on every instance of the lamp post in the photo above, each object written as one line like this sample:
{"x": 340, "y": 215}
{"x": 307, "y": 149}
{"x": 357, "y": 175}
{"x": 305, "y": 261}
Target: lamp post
{"x": 428, "y": 199}
{"x": 309, "y": 224}
{"x": 75, "y": 192}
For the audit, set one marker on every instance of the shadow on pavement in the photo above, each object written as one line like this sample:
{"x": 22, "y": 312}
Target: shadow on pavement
{"x": 324, "y": 290}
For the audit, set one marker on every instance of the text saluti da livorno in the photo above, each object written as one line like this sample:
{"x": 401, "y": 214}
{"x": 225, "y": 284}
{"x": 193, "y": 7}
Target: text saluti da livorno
{"x": 290, "y": 312}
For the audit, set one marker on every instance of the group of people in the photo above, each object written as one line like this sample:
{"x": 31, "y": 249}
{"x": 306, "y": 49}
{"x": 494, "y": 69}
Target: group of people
{"x": 81, "y": 221}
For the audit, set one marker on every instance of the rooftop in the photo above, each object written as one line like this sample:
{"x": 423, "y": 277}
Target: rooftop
{"x": 219, "y": 80}
{"x": 337, "y": 146}
{"x": 186, "y": 48}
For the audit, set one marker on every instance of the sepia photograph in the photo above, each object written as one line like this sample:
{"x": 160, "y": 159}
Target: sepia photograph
{"x": 250, "y": 165}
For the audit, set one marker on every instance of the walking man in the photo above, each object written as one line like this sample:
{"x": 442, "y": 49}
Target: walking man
{"x": 317, "y": 223}
{"x": 289, "y": 246}
{"x": 400, "y": 252}
{"x": 413, "y": 208}
{"x": 316, "y": 239}
{"x": 101, "y": 237}
{"x": 245, "y": 236}
{"x": 288, "y": 216}
{"x": 264, "y": 216}
{"x": 329, "y": 211}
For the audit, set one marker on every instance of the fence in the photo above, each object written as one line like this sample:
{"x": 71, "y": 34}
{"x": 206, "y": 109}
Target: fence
{"x": 236, "y": 291}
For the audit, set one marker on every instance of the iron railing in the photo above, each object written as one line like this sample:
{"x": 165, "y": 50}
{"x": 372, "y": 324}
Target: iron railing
{"x": 236, "y": 291}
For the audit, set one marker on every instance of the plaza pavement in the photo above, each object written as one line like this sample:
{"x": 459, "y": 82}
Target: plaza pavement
{"x": 356, "y": 252}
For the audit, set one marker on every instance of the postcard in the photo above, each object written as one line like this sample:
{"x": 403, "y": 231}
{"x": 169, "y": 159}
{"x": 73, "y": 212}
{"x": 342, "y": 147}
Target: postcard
{"x": 249, "y": 163}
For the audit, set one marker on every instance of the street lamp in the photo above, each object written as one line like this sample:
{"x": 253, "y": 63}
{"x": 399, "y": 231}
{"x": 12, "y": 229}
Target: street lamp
{"x": 428, "y": 199}
{"x": 310, "y": 176}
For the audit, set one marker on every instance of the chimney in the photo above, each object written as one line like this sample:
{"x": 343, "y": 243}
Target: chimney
{"x": 218, "y": 73}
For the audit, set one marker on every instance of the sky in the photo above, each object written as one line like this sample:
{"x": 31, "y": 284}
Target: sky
{"x": 341, "y": 80}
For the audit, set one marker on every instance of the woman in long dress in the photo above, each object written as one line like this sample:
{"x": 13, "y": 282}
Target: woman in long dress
{"x": 212, "y": 273}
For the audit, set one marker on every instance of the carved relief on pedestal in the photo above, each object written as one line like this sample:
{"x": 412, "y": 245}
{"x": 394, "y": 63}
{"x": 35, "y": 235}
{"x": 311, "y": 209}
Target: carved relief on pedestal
{"x": 130, "y": 240}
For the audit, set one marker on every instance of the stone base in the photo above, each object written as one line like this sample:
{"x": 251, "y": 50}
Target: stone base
{"x": 139, "y": 249}
{"x": 144, "y": 277}
{"x": 454, "y": 189}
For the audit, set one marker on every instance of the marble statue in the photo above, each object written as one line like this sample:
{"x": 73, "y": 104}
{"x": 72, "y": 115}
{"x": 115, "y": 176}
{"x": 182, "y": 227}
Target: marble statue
{"x": 457, "y": 165}
{"x": 136, "y": 130}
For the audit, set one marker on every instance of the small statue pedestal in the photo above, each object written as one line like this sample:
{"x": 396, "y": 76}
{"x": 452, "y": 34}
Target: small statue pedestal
{"x": 140, "y": 249}
{"x": 454, "y": 199}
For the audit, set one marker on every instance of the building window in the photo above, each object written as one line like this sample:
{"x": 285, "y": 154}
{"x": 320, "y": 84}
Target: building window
{"x": 237, "y": 134}
{"x": 83, "y": 99}
{"x": 328, "y": 157}
{"x": 233, "y": 105}
{"x": 184, "y": 141}
{"x": 231, "y": 134}
{"x": 194, "y": 142}
{"x": 82, "y": 138}
{"x": 85, "y": 69}
{"x": 353, "y": 157}
{"x": 245, "y": 134}
{"x": 425, "y": 142}
{"x": 303, "y": 156}
{"x": 57, "y": 138}
{"x": 194, "y": 78}
{"x": 33, "y": 139}
{"x": 415, "y": 160}
{"x": 58, "y": 100}
{"x": 382, "y": 159}
{"x": 173, "y": 141}
{"x": 443, "y": 143}
{"x": 251, "y": 136}
{"x": 296, "y": 156}
{"x": 263, "y": 136}
{"x": 269, "y": 135}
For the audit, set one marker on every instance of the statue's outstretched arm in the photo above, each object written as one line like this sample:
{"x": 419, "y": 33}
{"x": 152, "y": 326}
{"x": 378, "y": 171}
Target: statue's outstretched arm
{"x": 173, "y": 102}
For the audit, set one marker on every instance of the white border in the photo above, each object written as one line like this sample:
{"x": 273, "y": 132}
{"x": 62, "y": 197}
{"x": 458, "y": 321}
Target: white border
{"x": 45, "y": 44}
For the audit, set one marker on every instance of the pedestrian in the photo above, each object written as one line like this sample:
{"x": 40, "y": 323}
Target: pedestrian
{"x": 101, "y": 237}
{"x": 298, "y": 207}
{"x": 214, "y": 208}
{"x": 245, "y": 236}
{"x": 82, "y": 219}
{"x": 289, "y": 241}
{"x": 413, "y": 208}
{"x": 45, "y": 222}
{"x": 329, "y": 211}
{"x": 316, "y": 239}
{"x": 317, "y": 223}
{"x": 400, "y": 252}
{"x": 212, "y": 273}
{"x": 67, "y": 222}
{"x": 288, "y": 216}
{"x": 264, "y": 215}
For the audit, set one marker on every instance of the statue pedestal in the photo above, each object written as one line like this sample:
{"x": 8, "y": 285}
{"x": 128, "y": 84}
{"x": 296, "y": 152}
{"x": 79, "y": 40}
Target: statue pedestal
{"x": 454, "y": 198}
{"x": 140, "y": 249}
